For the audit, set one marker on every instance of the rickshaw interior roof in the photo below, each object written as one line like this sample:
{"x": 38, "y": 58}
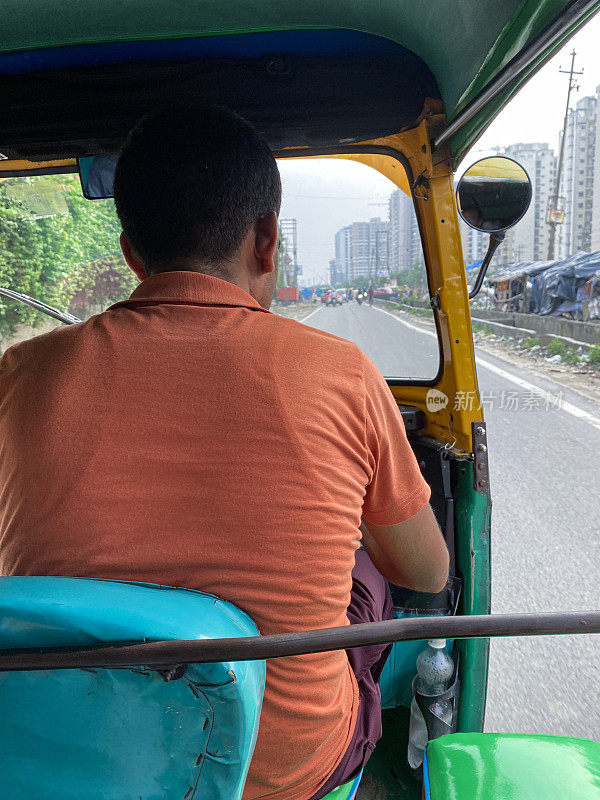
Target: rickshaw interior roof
{"x": 75, "y": 74}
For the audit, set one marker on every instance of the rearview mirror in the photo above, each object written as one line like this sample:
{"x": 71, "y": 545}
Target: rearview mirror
{"x": 97, "y": 174}
{"x": 494, "y": 194}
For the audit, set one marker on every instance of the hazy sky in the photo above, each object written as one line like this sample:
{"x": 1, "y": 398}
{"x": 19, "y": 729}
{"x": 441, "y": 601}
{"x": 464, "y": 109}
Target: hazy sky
{"x": 325, "y": 196}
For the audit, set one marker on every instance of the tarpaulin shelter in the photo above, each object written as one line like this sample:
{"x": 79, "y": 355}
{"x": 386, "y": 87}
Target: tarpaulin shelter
{"x": 559, "y": 289}
{"x": 511, "y": 284}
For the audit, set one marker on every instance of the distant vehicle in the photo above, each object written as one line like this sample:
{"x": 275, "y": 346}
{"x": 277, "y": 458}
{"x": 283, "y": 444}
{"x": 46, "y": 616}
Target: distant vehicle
{"x": 334, "y": 299}
{"x": 287, "y": 294}
{"x": 383, "y": 293}
{"x": 359, "y": 298}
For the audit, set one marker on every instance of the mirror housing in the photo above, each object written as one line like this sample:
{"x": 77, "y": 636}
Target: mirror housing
{"x": 492, "y": 196}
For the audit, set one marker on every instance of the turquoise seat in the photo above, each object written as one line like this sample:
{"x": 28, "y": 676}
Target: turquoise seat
{"x": 511, "y": 766}
{"x": 123, "y": 734}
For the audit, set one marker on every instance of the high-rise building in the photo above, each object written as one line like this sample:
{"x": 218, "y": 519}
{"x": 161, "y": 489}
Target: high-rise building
{"x": 528, "y": 241}
{"x": 401, "y": 214}
{"x": 404, "y": 239}
{"x": 342, "y": 256}
{"x": 577, "y": 179}
{"x": 335, "y": 278}
{"x": 595, "y": 235}
{"x": 289, "y": 234}
{"x": 361, "y": 250}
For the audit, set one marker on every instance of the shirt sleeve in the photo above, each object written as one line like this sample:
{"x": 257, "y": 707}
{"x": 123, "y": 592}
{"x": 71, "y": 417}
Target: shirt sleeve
{"x": 397, "y": 489}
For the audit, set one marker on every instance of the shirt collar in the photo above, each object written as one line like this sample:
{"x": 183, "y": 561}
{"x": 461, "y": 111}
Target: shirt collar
{"x": 193, "y": 288}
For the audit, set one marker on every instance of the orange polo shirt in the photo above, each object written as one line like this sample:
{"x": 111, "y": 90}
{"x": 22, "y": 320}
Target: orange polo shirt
{"x": 189, "y": 437}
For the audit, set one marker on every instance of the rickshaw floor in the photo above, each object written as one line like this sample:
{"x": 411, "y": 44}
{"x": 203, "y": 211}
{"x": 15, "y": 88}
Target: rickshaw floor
{"x": 387, "y": 775}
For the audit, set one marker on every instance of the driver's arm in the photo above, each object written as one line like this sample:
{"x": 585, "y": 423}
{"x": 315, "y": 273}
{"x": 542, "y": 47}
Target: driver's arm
{"x": 412, "y": 553}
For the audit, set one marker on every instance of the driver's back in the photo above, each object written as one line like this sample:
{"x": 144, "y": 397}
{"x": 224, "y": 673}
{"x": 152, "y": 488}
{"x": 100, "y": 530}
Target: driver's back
{"x": 189, "y": 437}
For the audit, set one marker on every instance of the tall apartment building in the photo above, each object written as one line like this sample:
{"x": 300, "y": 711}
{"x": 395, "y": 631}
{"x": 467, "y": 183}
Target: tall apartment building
{"x": 528, "y": 240}
{"x": 577, "y": 180}
{"x": 361, "y": 249}
{"x": 404, "y": 239}
{"x": 401, "y": 214}
{"x": 341, "y": 264}
{"x": 595, "y": 234}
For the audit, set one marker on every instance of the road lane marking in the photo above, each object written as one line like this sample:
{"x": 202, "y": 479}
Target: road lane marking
{"x": 570, "y": 408}
{"x": 408, "y": 324}
{"x": 312, "y": 313}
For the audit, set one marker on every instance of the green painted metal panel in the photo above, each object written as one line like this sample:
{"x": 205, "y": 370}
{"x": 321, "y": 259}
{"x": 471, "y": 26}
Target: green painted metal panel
{"x": 473, "y": 517}
{"x": 464, "y": 42}
{"x": 528, "y": 21}
{"x": 512, "y": 767}
{"x": 471, "y": 131}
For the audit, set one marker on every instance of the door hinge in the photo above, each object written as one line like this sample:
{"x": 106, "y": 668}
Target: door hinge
{"x": 481, "y": 472}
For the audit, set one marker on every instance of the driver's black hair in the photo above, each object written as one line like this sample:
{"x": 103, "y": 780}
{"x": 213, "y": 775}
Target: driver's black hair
{"x": 189, "y": 183}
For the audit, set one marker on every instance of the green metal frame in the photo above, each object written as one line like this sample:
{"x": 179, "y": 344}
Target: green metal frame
{"x": 473, "y": 520}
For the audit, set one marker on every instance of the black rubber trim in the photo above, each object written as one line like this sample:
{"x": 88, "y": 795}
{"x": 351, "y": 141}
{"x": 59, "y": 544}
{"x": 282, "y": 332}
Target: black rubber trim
{"x": 256, "y": 648}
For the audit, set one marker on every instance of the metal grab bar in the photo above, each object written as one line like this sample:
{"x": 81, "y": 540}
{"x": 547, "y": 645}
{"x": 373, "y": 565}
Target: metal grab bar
{"x": 62, "y": 316}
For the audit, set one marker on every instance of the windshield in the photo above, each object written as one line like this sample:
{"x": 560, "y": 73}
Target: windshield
{"x": 350, "y": 262}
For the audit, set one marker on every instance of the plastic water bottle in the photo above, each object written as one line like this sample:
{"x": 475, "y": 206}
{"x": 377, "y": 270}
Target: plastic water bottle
{"x": 434, "y": 673}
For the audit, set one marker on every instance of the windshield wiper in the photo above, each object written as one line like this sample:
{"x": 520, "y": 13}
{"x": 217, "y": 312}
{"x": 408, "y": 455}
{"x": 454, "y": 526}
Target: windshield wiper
{"x": 61, "y": 316}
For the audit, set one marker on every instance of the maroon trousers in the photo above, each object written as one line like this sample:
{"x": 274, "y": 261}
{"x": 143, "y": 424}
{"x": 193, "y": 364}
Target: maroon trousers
{"x": 370, "y": 601}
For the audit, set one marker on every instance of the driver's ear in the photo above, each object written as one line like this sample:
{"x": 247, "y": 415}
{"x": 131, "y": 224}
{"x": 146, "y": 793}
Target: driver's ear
{"x": 133, "y": 262}
{"x": 266, "y": 242}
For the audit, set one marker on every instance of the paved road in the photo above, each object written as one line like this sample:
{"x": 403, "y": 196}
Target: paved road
{"x": 417, "y": 357}
{"x": 544, "y": 463}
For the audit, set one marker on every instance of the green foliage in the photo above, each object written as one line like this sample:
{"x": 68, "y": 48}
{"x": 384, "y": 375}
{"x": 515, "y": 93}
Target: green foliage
{"x": 556, "y": 347}
{"x": 569, "y": 356}
{"x": 420, "y": 312}
{"x": 414, "y": 278}
{"x": 362, "y": 282}
{"x": 531, "y": 341}
{"x": 594, "y": 354}
{"x": 70, "y": 261}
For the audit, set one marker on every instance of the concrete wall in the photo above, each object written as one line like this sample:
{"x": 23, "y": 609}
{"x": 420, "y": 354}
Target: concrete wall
{"x": 559, "y": 326}
{"x": 533, "y": 324}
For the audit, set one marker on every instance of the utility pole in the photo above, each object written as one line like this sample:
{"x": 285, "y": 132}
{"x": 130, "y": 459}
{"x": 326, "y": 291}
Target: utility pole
{"x": 556, "y": 215}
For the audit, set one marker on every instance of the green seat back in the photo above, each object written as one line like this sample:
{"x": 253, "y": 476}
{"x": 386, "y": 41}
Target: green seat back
{"x": 511, "y": 766}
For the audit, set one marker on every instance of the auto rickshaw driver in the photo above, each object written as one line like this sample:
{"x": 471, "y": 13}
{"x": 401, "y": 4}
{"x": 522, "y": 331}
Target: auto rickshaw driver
{"x": 201, "y": 454}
